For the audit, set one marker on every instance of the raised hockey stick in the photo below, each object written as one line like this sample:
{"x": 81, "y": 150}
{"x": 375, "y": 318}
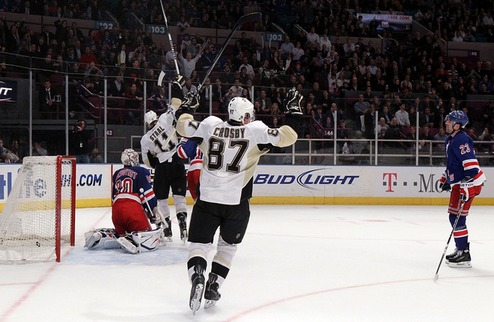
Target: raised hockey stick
{"x": 162, "y": 73}
{"x": 436, "y": 276}
{"x": 250, "y": 17}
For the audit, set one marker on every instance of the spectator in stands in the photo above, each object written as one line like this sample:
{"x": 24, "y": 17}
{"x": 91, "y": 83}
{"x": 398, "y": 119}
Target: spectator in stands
{"x": 248, "y": 68}
{"x": 264, "y": 102}
{"x": 427, "y": 117}
{"x": 393, "y": 133}
{"x": 16, "y": 154}
{"x": 6, "y": 156}
{"x": 298, "y": 51}
{"x": 133, "y": 104}
{"x": 122, "y": 56}
{"x": 183, "y": 24}
{"x": 226, "y": 100}
{"x": 39, "y": 149}
{"x": 402, "y": 115}
{"x": 158, "y": 99}
{"x": 135, "y": 74}
{"x": 411, "y": 137}
{"x": 382, "y": 127}
{"x": 227, "y": 76}
{"x": 117, "y": 86}
{"x": 95, "y": 156}
{"x": 440, "y": 136}
{"x": 47, "y": 103}
{"x": 370, "y": 121}
{"x": 360, "y": 107}
{"x": 79, "y": 142}
{"x": 286, "y": 47}
{"x": 189, "y": 86}
{"x": 188, "y": 63}
{"x": 237, "y": 89}
{"x": 87, "y": 57}
{"x": 218, "y": 91}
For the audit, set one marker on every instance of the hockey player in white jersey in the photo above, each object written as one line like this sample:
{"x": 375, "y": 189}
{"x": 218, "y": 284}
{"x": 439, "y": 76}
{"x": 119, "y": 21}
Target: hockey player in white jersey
{"x": 159, "y": 147}
{"x": 231, "y": 152}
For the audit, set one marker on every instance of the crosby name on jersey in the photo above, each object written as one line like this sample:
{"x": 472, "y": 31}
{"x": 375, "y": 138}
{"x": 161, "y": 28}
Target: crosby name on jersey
{"x": 229, "y": 133}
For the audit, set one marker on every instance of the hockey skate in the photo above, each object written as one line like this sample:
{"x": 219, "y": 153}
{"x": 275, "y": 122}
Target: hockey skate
{"x": 167, "y": 231}
{"x": 197, "y": 289}
{"x": 211, "y": 294}
{"x": 453, "y": 254}
{"x": 460, "y": 259}
{"x": 182, "y": 223}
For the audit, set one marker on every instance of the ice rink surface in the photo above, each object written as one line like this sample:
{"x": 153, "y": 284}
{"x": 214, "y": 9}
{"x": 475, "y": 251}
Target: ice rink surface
{"x": 297, "y": 263}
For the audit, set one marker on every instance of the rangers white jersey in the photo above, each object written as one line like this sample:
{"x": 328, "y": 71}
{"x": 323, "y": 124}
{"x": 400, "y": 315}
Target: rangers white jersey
{"x": 161, "y": 141}
{"x": 230, "y": 153}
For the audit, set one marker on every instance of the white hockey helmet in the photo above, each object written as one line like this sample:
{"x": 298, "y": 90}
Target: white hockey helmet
{"x": 130, "y": 158}
{"x": 241, "y": 110}
{"x": 150, "y": 117}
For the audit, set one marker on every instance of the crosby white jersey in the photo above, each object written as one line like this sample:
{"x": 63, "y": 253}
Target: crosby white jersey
{"x": 161, "y": 140}
{"x": 230, "y": 154}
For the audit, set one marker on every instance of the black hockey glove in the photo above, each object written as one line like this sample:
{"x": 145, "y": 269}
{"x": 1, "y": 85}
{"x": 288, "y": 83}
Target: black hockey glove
{"x": 153, "y": 160}
{"x": 184, "y": 109}
{"x": 177, "y": 85}
{"x": 292, "y": 104}
{"x": 443, "y": 184}
{"x": 192, "y": 100}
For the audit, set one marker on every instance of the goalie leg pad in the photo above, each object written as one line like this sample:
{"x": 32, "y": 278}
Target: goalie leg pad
{"x": 147, "y": 240}
{"x": 92, "y": 239}
{"x": 127, "y": 244}
{"x": 103, "y": 238}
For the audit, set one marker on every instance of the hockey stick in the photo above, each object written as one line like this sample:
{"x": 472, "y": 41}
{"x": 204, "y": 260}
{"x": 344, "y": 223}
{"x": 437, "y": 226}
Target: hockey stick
{"x": 162, "y": 73}
{"x": 250, "y": 17}
{"x": 163, "y": 222}
{"x": 436, "y": 276}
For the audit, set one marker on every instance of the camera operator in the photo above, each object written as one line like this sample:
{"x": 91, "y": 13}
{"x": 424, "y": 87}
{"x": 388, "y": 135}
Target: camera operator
{"x": 79, "y": 142}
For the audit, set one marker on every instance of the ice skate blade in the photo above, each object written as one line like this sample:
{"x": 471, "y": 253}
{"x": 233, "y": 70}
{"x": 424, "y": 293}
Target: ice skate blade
{"x": 209, "y": 304}
{"x": 459, "y": 265}
{"x": 195, "y": 301}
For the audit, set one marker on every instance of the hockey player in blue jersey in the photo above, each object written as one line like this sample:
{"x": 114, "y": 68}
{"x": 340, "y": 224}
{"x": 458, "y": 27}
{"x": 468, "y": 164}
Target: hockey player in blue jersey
{"x": 464, "y": 178}
{"x": 134, "y": 208}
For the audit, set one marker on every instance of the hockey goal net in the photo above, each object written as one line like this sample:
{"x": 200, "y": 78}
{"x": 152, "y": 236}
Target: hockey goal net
{"x": 39, "y": 214}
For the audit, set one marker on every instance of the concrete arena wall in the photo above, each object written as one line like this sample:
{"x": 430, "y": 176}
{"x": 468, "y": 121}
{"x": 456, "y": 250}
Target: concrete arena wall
{"x": 328, "y": 185}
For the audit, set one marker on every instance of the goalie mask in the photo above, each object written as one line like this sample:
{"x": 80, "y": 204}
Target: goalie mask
{"x": 240, "y": 110}
{"x": 130, "y": 158}
{"x": 150, "y": 117}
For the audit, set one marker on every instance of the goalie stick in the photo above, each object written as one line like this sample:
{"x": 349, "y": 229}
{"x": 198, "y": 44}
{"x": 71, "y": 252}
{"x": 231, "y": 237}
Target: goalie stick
{"x": 436, "y": 276}
{"x": 162, "y": 73}
{"x": 250, "y": 17}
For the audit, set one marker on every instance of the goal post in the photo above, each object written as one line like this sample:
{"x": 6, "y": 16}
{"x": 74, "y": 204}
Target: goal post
{"x": 38, "y": 218}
